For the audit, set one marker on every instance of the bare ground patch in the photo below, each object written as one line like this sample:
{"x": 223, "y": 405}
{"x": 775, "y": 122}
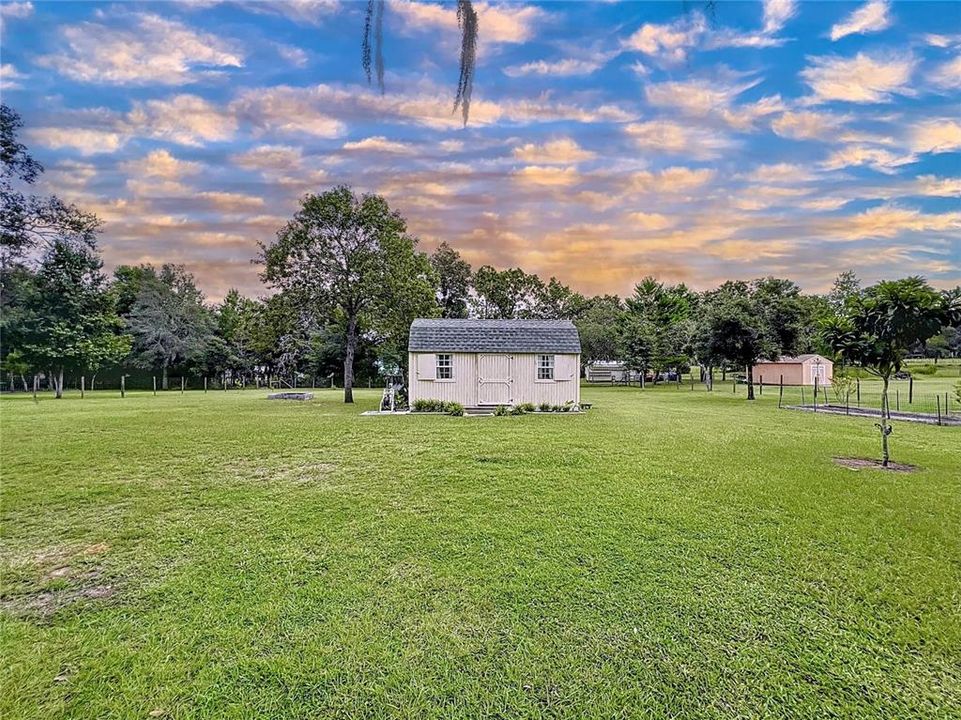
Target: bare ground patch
{"x": 289, "y": 471}
{"x": 867, "y": 464}
{"x": 44, "y": 582}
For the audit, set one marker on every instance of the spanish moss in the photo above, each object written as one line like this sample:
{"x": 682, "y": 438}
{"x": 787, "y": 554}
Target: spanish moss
{"x": 373, "y": 25}
{"x": 467, "y": 22}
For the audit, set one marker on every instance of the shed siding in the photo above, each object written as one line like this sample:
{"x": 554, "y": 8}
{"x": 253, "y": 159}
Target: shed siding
{"x": 524, "y": 384}
{"x": 795, "y": 373}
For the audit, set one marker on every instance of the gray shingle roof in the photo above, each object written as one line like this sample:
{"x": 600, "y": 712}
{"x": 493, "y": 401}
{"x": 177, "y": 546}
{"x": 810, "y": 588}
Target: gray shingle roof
{"x": 546, "y": 336}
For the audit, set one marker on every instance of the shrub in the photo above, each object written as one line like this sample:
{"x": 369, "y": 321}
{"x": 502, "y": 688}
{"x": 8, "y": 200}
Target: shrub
{"x": 429, "y": 405}
{"x": 502, "y": 411}
{"x": 927, "y": 369}
{"x": 557, "y": 408}
{"x": 455, "y": 409}
{"x": 545, "y": 407}
{"x": 527, "y": 407}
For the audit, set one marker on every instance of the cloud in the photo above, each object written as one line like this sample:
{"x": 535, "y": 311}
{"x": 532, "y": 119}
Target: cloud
{"x": 568, "y": 67}
{"x": 859, "y": 79}
{"x": 156, "y": 51}
{"x": 14, "y": 11}
{"x": 161, "y": 164}
{"x": 871, "y": 17}
{"x": 938, "y": 135}
{"x": 498, "y": 23}
{"x": 934, "y": 186}
{"x": 777, "y": 13}
{"x": 184, "y": 119}
{"x": 563, "y": 151}
{"x": 948, "y": 75}
{"x": 669, "y": 42}
{"x": 288, "y": 110}
{"x": 549, "y": 176}
{"x": 887, "y": 221}
{"x": 780, "y": 173}
{"x": 671, "y": 180}
{"x": 86, "y": 141}
{"x": 806, "y": 125}
{"x": 269, "y": 158}
{"x": 713, "y": 98}
{"x": 650, "y": 221}
{"x": 669, "y": 137}
{"x": 379, "y": 144}
{"x": 10, "y": 77}
{"x": 302, "y": 12}
{"x": 292, "y": 54}
{"x": 231, "y": 201}
{"x": 879, "y": 159}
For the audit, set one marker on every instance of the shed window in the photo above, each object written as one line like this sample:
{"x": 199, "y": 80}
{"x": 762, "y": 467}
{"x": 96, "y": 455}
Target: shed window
{"x": 545, "y": 367}
{"x": 445, "y": 367}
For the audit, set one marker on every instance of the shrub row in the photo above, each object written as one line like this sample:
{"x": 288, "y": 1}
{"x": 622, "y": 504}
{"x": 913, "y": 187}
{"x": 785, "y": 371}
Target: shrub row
{"x": 524, "y": 408}
{"x": 429, "y": 405}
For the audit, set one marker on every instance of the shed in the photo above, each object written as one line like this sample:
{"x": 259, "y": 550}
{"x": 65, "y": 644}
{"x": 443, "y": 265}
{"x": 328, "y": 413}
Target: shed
{"x": 611, "y": 371}
{"x": 480, "y": 363}
{"x": 800, "y": 370}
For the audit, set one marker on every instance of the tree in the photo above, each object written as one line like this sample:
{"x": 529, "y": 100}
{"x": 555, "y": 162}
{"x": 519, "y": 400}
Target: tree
{"x": 169, "y": 322}
{"x": 846, "y": 286}
{"x": 659, "y": 313}
{"x": 746, "y": 322}
{"x": 505, "y": 294}
{"x": 348, "y": 260}
{"x": 597, "y": 326}
{"x": 877, "y": 328}
{"x": 453, "y": 281}
{"x": 69, "y": 321}
{"x": 234, "y": 318}
{"x": 28, "y": 221}
{"x": 556, "y": 301}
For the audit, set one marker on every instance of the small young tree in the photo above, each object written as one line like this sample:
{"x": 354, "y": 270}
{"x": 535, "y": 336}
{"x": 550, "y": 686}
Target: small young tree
{"x": 876, "y": 329}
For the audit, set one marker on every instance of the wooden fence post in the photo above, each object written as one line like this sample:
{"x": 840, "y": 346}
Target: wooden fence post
{"x": 815, "y": 393}
{"x": 83, "y": 386}
{"x": 910, "y": 389}
{"x": 858, "y": 382}
{"x": 780, "y": 394}
{"x": 802, "y": 396}
{"x": 205, "y": 384}
{"x": 35, "y": 387}
{"x": 123, "y": 386}
{"x": 154, "y": 378}
{"x": 897, "y": 399}
{"x": 181, "y": 384}
{"x": 939, "y": 409}
{"x": 760, "y": 385}
{"x": 847, "y": 402}
{"x": 225, "y": 382}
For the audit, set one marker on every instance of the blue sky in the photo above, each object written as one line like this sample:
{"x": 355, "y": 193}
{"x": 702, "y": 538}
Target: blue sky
{"x": 607, "y": 141}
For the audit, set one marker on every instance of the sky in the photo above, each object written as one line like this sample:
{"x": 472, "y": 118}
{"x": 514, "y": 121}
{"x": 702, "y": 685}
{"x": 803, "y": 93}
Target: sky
{"x": 607, "y": 141}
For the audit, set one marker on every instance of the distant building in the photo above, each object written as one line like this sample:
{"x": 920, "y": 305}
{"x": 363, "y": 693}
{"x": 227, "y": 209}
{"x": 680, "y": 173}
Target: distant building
{"x": 610, "y": 371}
{"x": 480, "y": 363}
{"x": 800, "y": 370}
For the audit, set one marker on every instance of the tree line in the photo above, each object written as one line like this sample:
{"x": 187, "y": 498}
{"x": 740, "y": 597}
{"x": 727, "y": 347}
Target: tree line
{"x": 346, "y": 279}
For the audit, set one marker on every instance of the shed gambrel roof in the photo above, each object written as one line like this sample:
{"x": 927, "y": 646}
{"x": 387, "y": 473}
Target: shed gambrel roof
{"x": 521, "y": 336}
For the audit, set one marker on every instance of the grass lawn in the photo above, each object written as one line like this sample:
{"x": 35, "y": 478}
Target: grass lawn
{"x": 668, "y": 554}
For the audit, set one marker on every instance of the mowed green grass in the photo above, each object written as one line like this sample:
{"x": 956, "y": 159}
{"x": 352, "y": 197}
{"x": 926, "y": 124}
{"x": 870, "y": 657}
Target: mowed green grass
{"x": 668, "y": 554}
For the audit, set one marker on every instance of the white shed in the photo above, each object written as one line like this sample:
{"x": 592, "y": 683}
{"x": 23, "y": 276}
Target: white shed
{"x": 483, "y": 363}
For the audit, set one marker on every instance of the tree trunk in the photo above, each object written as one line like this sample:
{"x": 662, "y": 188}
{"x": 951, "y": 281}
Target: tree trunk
{"x": 709, "y": 378}
{"x": 58, "y": 383}
{"x": 24, "y": 381}
{"x": 750, "y": 382}
{"x": 349, "y": 359}
{"x": 163, "y": 377}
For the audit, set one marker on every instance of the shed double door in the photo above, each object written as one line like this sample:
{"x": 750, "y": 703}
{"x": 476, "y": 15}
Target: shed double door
{"x": 494, "y": 380}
